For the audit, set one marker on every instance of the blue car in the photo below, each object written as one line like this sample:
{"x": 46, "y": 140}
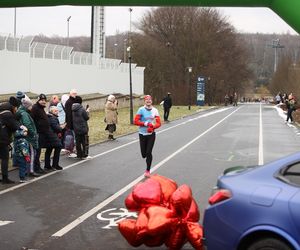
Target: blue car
{"x": 256, "y": 208}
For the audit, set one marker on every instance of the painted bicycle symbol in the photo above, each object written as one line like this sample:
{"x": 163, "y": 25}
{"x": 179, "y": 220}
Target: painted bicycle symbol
{"x": 114, "y": 216}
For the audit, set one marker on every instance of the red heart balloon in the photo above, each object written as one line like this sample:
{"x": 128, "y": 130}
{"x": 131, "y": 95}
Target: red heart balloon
{"x": 147, "y": 193}
{"x": 127, "y": 229}
{"x": 168, "y": 186}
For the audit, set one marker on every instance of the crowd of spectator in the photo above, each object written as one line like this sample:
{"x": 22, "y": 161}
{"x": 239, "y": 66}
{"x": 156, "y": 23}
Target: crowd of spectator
{"x": 26, "y": 129}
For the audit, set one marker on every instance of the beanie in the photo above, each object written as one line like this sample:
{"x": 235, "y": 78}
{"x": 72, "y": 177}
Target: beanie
{"x": 78, "y": 99}
{"x": 13, "y": 101}
{"x": 42, "y": 97}
{"x": 27, "y": 103}
{"x": 20, "y": 95}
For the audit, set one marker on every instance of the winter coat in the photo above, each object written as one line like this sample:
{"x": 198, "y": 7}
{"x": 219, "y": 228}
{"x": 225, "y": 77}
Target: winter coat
{"x": 69, "y": 114}
{"x": 80, "y": 118}
{"x": 26, "y": 120}
{"x": 167, "y": 102}
{"x": 40, "y": 118}
{"x": 8, "y": 123}
{"x": 54, "y": 132}
{"x": 111, "y": 114}
{"x": 61, "y": 113}
{"x": 21, "y": 145}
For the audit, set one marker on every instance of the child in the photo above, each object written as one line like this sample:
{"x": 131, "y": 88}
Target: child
{"x": 22, "y": 152}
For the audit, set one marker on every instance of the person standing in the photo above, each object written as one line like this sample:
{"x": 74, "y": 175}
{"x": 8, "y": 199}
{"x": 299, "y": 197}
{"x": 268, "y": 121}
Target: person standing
{"x": 8, "y": 125}
{"x": 290, "y": 108}
{"x": 69, "y": 119}
{"x": 40, "y": 118}
{"x": 81, "y": 128}
{"x": 148, "y": 119}
{"x": 111, "y": 116}
{"x": 62, "y": 117}
{"x": 22, "y": 152}
{"x": 25, "y": 119}
{"x": 54, "y": 140}
{"x": 167, "y": 104}
{"x": 235, "y": 99}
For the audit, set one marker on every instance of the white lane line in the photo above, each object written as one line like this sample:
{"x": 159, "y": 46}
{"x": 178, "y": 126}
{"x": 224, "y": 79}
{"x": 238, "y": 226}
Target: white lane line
{"x": 106, "y": 152}
{"x": 94, "y": 210}
{"x": 260, "y": 143}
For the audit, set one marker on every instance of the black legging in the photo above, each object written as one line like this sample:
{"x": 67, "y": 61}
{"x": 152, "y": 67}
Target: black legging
{"x": 146, "y": 145}
{"x": 289, "y": 114}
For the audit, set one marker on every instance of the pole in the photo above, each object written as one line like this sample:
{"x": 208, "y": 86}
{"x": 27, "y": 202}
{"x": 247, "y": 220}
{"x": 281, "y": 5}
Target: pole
{"x": 15, "y": 24}
{"x": 130, "y": 86}
{"x": 68, "y": 24}
{"x": 190, "y": 86}
{"x": 15, "y": 28}
{"x": 125, "y": 42}
{"x": 130, "y": 75}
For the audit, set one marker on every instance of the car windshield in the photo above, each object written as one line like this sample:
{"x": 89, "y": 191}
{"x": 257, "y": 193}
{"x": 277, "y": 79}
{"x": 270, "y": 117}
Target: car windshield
{"x": 291, "y": 174}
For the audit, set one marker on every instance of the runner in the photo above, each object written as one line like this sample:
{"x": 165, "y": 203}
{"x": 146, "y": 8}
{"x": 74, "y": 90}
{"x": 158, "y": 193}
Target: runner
{"x": 148, "y": 119}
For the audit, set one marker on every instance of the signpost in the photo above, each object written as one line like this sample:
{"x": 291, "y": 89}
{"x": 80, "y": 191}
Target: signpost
{"x": 200, "y": 90}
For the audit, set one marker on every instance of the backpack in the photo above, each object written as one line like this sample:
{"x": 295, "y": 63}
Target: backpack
{"x": 69, "y": 141}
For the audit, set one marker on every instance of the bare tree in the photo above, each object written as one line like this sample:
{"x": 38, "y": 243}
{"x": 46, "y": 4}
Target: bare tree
{"x": 174, "y": 38}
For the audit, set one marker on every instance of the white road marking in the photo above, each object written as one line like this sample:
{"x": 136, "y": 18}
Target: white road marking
{"x": 5, "y": 222}
{"x": 107, "y": 152}
{"x": 102, "y": 204}
{"x": 260, "y": 144}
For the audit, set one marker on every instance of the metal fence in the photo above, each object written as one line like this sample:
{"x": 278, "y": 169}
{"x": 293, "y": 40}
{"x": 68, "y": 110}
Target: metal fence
{"x": 18, "y": 44}
{"x": 50, "y": 51}
{"x": 60, "y": 52}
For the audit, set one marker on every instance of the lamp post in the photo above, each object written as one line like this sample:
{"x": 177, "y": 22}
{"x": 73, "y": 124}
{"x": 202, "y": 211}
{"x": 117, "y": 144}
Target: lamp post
{"x": 130, "y": 85}
{"x": 129, "y": 61}
{"x": 190, "y": 86}
{"x": 125, "y": 43}
{"x": 115, "y": 50}
{"x": 68, "y": 29}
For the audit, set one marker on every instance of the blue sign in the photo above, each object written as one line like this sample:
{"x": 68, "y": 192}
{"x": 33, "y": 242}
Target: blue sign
{"x": 200, "y": 90}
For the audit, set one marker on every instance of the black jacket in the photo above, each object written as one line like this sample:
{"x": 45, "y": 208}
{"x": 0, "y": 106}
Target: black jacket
{"x": 9, "y": 124}
{"x": 167, "y": 102}
{"x": 40, "y": 118}
{"x": 68, "y": 110}
{"x": 55, "y": 130}
{"x": 80, "y": 118}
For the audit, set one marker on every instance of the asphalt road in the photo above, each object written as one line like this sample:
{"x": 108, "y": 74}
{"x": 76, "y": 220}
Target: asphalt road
{"x": 77, "y": 208}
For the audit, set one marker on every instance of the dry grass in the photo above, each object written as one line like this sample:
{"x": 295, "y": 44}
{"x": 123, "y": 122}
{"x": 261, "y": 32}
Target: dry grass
{"x": 97, "y": 126}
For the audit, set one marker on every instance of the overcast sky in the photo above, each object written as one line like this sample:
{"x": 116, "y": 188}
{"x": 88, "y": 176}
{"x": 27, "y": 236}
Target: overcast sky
{"x": 53, "y": 20}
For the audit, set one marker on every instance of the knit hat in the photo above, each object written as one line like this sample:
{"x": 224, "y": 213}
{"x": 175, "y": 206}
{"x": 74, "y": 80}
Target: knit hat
{"x": 20, "y": 95}
{"x": 42, "y": 97}
{"x": 64, "y": 98}
{"x": 27, "y": 103}
{"x": 13, "y": 101}
{"x": 111, "y": 98}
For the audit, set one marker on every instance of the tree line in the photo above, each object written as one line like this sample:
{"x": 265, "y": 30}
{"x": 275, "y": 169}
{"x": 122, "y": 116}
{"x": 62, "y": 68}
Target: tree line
{"x": 168, "y": 40}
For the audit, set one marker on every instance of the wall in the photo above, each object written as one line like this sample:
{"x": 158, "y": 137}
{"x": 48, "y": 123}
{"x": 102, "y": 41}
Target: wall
{"x": 20, "y": 71}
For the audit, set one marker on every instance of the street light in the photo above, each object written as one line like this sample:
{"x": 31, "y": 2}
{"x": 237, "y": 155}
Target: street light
{"x": 190, "y": 87}
{"x": 115, "y": 50}
{"x": 125, "y": 43}
{"x": 68, "y": 26}
{"x": 130, "y": 86}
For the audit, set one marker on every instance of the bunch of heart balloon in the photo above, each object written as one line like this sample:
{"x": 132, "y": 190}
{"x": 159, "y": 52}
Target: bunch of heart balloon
{"x": 167, "y": 214}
